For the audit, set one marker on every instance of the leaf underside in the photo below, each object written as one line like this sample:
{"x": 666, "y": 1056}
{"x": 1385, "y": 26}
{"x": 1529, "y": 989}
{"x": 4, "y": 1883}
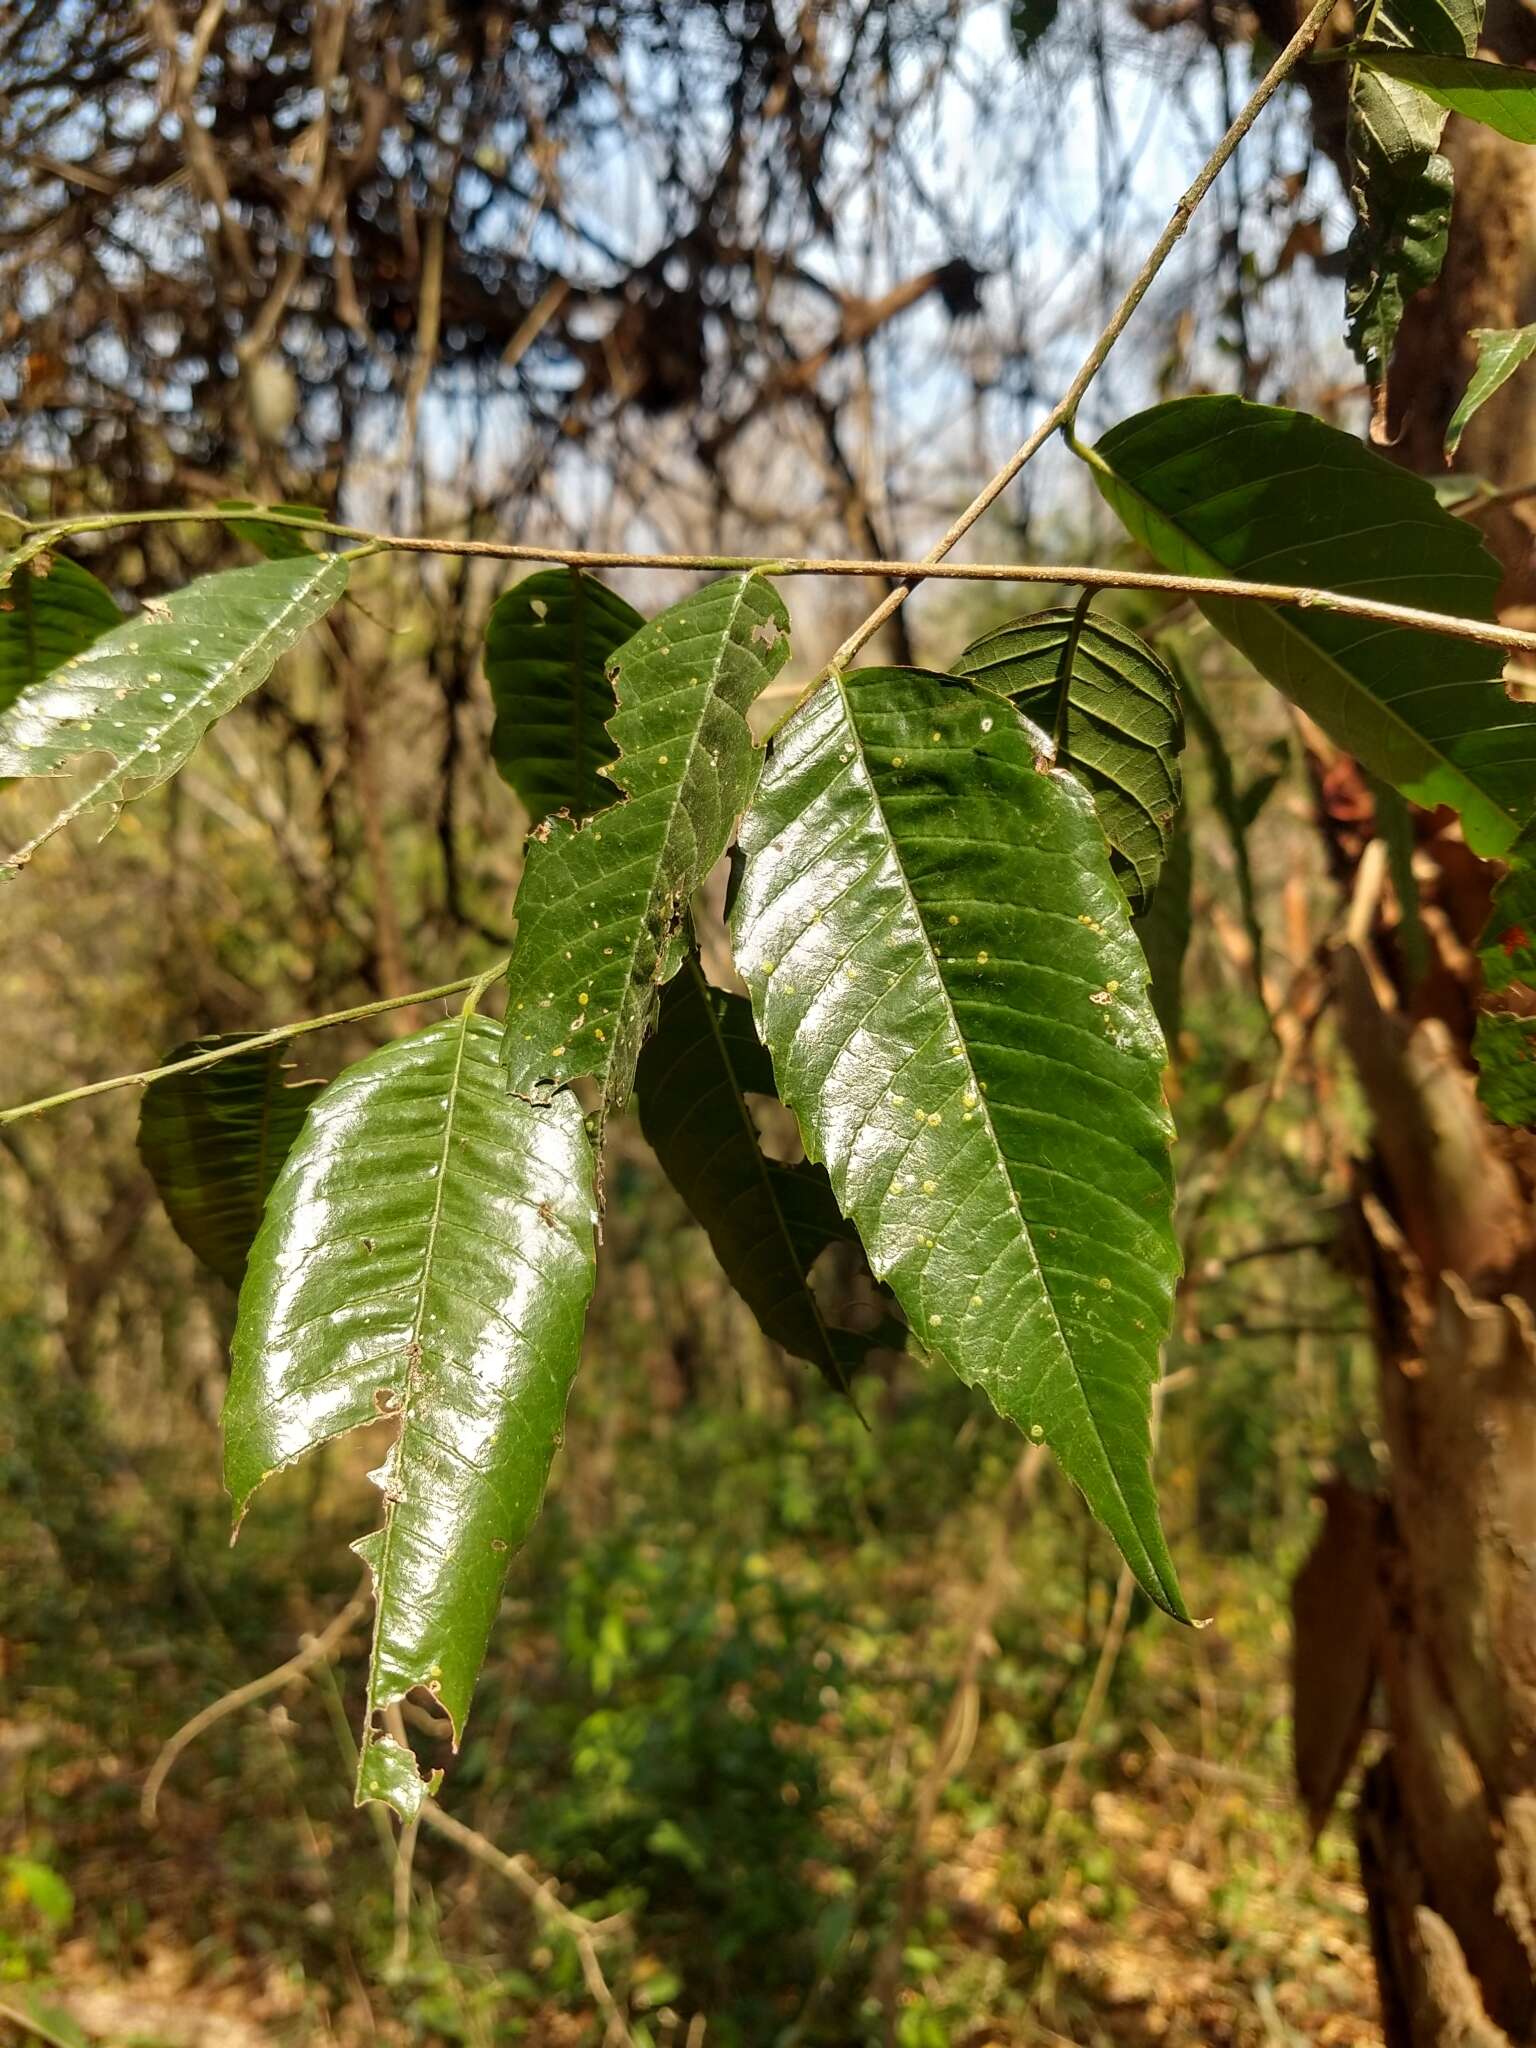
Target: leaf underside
{"x": 1221, "y": 487}
{"x": 1110, "y": 708}
{"x": 213, "y": 1141}
{"x": 1500, "y": 352}
{"x": 548, "y": 643}
{"x": 601, "y": 907}
{"x": 767, "y": 1221}
{"x": 129, "y": 709}
{"x": 277, "y": 543}
{"x": 942, "y": 966}
{"x": 1163, "y": 930}
{"x": 1500, "y": 96}
{"x": 46, "y": 618}
{"x": 426, "y": 1255}
{"x": 1400, "y": 183}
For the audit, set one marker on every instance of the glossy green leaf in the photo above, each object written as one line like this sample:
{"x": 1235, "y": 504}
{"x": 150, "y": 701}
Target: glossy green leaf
{"x": 127, "y": 711}
{"x": 548, "y": 643}
{"x": 1504, "y": 1047}
{"x": 213, "y": 1141}
{"x": 768, "y": 1222}
{"x": 1400, "y": 183}
{"x": 1500, "y": 96}
{"x": 52, "y": 609}
{"x": 1219, "y": 487}
{"x": 278, "y": 543}
{"x": 1108, "y": 709}
{"x": 942, "y": 966}
{"x": 602, "y": 904}
{"x": 1163, "y": 930}
{"x": 427, "y": 1255}
{"x": 1500, "y": 352}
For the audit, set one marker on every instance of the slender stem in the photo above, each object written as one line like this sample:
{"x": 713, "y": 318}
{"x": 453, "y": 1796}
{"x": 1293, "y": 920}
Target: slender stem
{"x": 1064, "y": 411}
{"x": 277, "y": 1036}
{"x": 1079, "y": 575}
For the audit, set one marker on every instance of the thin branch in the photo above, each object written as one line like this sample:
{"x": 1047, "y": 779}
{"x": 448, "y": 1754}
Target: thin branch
{"x": 313, "y": 1650}
{"x": 277, "y": 1036}
{"x": 1064, "y": 412}
{"x": 906, "y": 574}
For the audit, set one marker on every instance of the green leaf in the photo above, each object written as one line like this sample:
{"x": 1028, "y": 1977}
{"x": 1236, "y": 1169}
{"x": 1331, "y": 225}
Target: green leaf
{"x": 1163, "y": 930}
{"x": 1400, "y": 183}
{"x": 1108, "y": 709}
{"x": 277, "y": 543}
{"x": 1237, "y": 810}
{"x": 768, "y": 1222}
{"x": 1504, "y": 1047}
{"x": 601, "y": 907}
{"x": 52, "y": 610}
{"x": 1500, "y": 96}
{"x": 1500, "y": 352}
{"x": 1508, "y": 943}
{"x": 213, "y": 1141}
{"x": 134, "y": 704}
{"x": 942, "y": 966}
{"x": 427, "y": 1254}
{"x": 1028, "y": 21}
{"x": 548, "y": 644}
{"x": 1219, "y": 487}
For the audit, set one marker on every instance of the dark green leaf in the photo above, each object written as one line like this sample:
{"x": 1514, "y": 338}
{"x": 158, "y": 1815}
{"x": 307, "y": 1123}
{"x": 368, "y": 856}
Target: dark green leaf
{"x": 1164, "y": 931}
{"x": 1394, "y": 823}
{"x": 49, "y": 611}
{"x": 942, "y": 966}
{"x": 426, "y": 1254}
{"x": 1504, "y": 1047}
{"x": 601, "y": 908}
{"x": 1508, "y": 943}
{"x": 213, "y": 1141}
{"x": 1498, "y": 95}
{"x": 1400, "y": 183}
{"x": 131, "y": 707}
{"x": 1500, "y": 352}
{"x": 768, "y": 1222}
{"x": 277, "y": 543}
{"x": 548, "y": 644}
{"x": 1107, "y": 708}
{"x": 1219, "y": 487}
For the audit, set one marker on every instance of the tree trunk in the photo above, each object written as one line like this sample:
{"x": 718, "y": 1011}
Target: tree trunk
{"x": 1447, "y": 1816}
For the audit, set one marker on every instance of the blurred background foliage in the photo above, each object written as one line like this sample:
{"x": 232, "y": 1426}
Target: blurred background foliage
{"x": 850, "y": 1720}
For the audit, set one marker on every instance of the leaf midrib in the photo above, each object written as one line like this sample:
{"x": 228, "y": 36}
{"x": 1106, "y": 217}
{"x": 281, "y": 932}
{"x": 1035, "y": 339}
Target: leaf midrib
{"x": 123, "y": 765}
{"x": 1025, "y": 1232}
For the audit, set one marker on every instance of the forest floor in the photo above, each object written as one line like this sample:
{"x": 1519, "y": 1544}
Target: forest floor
{"x": 804, "y": 1703}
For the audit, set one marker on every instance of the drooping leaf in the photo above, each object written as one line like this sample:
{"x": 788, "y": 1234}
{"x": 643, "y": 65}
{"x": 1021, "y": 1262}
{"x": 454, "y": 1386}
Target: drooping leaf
{"x": 1504, "y": 1047}
{"x": 1394, "y": 824}
{"x": 426, "y": 1254}
{"x": 1028, "y": 21}
{"x": 942, "y": 966}
{"x": 1500, "y": 352}
{"x": 1400, "y": 183}
{"x": 278, "y": 543}
{"x": 1109, "y": 709}
{"x": 1508, "y": 944}
{"x": 129, "y": 709}
{"x": 213, "y": 1141}
{"x": 1335, "y": 1646}
{"x": 601, "y": 907}
{"x": 1163, "y": 930}
{"x": 548, "y": 643}
{"x": 768, "y": 1222}
{"x": 1500, "y": 96}
{"x": 49, "y": 611}
{"x": 1221, "y": 487}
